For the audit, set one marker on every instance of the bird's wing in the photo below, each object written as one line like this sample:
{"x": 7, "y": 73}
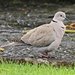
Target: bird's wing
{"x": 26, "y": 36}
{"x": 42, "y": 36}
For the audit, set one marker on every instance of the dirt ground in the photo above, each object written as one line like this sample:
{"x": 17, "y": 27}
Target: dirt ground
{"x": 11, "y": 29}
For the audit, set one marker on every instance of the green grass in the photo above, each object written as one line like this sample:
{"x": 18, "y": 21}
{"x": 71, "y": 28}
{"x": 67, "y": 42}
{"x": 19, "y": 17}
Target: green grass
{"x": 28, "y": 69}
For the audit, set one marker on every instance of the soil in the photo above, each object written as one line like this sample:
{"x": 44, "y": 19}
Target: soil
{"x": 14, "y": 23}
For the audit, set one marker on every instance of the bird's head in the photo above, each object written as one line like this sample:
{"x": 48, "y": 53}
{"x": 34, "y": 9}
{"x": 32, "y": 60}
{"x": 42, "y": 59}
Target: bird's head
{"x": 59, "y": 16}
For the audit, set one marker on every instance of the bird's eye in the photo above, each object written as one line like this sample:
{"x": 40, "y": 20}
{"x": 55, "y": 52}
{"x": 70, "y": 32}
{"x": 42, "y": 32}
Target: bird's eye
{"x": 60, "y": 15}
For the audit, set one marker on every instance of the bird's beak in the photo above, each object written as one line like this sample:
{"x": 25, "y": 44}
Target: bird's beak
{"x": 68, "y": 20}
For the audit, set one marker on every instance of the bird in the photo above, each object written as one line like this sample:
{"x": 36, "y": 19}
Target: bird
{"x": 47, "y": 36}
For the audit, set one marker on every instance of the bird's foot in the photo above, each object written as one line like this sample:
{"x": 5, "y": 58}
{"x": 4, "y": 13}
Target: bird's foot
{"x": 43, "y": 51}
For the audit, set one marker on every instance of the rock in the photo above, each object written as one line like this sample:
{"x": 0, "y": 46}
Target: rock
{"x": 21, "y": 20}
{"x": 40, "y": 61}
{"x": 29, "y": 60}
{"x": 2, "y": 17}
{"x": 2, "y": 49}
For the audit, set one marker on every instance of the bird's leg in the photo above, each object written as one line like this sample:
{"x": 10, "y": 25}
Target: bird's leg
{"x": 43, "y": 51}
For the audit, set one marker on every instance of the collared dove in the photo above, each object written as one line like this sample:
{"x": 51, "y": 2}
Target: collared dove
{"x": 48, "y": 36}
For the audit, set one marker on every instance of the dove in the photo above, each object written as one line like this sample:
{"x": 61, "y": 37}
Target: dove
{"x": 47, "y": 36}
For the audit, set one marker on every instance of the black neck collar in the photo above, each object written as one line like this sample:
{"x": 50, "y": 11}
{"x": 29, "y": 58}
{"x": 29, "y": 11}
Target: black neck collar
{"x": 54, "y": 21}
